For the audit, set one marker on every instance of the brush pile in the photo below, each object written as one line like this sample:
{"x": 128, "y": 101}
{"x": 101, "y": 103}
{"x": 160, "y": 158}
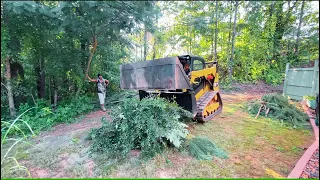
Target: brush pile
{"x": 150, "y": 126}
{"x": 278, "y": 107}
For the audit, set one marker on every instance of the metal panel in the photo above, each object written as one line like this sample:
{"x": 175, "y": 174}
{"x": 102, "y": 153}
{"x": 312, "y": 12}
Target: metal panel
{"x": 160, "y": 74}
{"x": 300, "y": 82}
{"x": 300, "y": 78}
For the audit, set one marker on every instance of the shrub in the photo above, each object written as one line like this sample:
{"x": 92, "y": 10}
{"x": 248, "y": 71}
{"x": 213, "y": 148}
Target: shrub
{"x": 149, "y": 125}
{"x": 274, "y": 77}
{"x": 310, "y": 97}
{"x": 42, "y": 117}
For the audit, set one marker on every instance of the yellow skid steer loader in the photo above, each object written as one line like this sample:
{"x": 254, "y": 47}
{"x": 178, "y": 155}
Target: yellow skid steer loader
{"x": 197, "y": 92}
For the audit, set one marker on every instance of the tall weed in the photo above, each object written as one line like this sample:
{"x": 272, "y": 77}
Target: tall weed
{"x": 9, "y": 164}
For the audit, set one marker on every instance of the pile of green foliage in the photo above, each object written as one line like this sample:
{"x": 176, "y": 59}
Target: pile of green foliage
{"x": 120, "y": 97}
{"x": 41, "y": 117}
{"x": 148, "y": 125}
{"x": 279, "y": 108}
{"x": 204, "y": 149}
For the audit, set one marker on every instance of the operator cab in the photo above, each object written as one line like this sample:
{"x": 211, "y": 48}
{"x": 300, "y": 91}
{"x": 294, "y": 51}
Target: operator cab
{"x": 196, "y": 63}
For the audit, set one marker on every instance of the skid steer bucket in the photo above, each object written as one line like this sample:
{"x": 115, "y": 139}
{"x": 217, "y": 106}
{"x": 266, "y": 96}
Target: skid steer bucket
{"x": 159, "y": 74}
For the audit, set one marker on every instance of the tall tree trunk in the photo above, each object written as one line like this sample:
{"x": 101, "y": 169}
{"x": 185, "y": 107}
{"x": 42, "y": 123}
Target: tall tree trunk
{"x": 50, "y": 95}
{"x": 43, "y": 84}
{"x": 95, "y": 44}
{"x": 229, "y": 36}
{"x": 41, "y": 80}
{"x": 154, "y": 48}
{"x": 233, "y": 40}
{"x": 136, "y": 50}
{"x": 194, "y": 39}
{"x": 141, "y": 44}
{"x": 189, "y": 41}
{"x": 55, "y": 94}
{"x": 145, "y": 43}
{"x": 280, "y": 28}
{"x": 55, "y": 98}
{"x": 212, "y": 35}
{"x": 9, "y": 88}
{"x": 299, "y": 28}
{"x": 282, "y": 23}
{"x": 216, "y": 32}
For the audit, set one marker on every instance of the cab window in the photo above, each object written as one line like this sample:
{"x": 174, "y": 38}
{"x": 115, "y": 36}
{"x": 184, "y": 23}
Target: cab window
{"x": 197, "y": 65}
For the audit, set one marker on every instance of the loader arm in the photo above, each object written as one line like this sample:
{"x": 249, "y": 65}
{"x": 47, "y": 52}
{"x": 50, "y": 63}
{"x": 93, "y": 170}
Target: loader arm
{"x": 206, "y": 74}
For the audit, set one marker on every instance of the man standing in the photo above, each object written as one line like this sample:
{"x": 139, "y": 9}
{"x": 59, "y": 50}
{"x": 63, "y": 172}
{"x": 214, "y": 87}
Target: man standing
{"x": 101, "y": 87}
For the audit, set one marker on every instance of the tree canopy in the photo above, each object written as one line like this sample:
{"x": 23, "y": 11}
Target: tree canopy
{"x": 49, "y": 46}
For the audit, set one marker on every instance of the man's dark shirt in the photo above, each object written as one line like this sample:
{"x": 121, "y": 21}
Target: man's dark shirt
{"x": 187, "y": 71}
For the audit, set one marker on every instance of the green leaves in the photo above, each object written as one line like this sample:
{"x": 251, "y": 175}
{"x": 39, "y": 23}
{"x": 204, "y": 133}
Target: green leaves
{"x": 279, "y": 109}
{"x": 43, "y": 118}
{"x": 204, "y": 149}
{"x": 178, "y": 134}
{"x": 58, "y": 35}
{"x": 147, "y": 125}
{"x": 265, "y": 31}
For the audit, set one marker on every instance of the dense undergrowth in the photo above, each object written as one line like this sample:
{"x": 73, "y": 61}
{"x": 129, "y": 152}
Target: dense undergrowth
{"x": 41, "y": 117}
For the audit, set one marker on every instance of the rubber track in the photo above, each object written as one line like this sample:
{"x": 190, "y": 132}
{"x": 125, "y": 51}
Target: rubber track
{"x": 203, "y": 102}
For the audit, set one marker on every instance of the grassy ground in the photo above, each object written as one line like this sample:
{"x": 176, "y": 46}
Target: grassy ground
{"x": 254, "y": 145}
{"x": 257, "y": 148}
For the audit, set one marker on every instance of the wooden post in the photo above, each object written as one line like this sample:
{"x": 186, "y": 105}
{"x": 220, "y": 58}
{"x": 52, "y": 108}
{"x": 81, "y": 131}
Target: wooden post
{"x": 314, "y": 78}
{"x": 285, "y": 81}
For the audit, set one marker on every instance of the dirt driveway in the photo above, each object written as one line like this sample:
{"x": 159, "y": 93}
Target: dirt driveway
{"x": 257, "y": 148}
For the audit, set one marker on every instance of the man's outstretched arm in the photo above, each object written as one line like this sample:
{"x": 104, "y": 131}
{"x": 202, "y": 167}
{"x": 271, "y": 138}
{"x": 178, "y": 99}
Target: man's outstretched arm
{"x": 91, "y": 80}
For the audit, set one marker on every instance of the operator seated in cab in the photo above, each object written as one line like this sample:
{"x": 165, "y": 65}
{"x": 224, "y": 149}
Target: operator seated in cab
{"x": 187, "y": 68}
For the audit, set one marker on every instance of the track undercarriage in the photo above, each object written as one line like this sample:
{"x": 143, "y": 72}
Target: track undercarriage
{"x": 208, "y": 106}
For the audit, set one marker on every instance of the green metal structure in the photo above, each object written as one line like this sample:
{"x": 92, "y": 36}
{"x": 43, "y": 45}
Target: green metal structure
{"x": 300, "y": 82}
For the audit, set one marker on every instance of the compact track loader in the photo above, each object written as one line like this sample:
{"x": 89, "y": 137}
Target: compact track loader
{"x": 197, "y": 92}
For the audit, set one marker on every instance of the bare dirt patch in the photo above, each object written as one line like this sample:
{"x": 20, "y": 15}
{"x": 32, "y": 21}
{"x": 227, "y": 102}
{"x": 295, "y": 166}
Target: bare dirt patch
{"x": 166, "y": 173}
{"x": 257, "y": 88}
{"x": 91, "y": 120}
{"x": 63, "y": 152}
